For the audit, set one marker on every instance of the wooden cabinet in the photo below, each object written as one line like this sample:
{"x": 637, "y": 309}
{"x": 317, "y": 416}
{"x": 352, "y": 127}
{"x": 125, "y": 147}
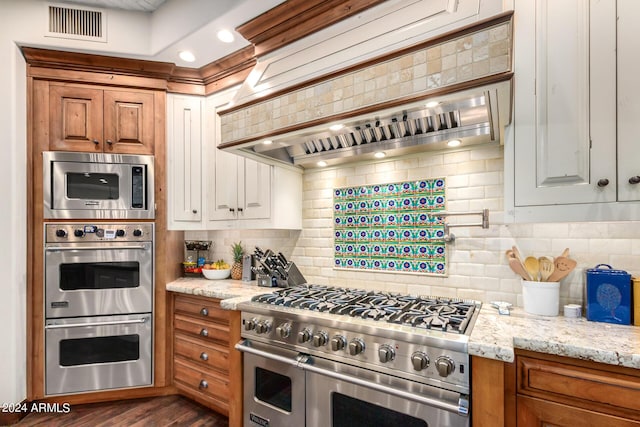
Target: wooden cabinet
{"x": 576, "y": 102}
{"x": 184, "y": 145}
{"x": 96, "y": 119}
{"x": 207, "y": 367}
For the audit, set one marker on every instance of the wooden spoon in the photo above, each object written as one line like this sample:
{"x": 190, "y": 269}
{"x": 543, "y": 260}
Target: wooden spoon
{"x": 532, "y": 267}
{"x": 518, "y": 268}
{"x": 563, "y": 266}
{"x": 546, "y": 268}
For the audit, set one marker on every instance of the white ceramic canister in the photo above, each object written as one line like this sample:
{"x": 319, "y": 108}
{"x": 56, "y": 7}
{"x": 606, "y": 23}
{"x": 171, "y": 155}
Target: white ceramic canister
{"x": 541, "y": 298}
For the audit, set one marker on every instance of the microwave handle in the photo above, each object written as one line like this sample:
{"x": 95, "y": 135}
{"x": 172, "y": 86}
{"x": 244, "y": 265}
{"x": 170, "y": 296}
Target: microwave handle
{"x": 92, "y": 248}
{"x": 108, "y": 323}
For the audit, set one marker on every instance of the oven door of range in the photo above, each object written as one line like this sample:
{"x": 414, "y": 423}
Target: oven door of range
{"x": 342, "y": 395}
{"x": 274, "y": 390}
{"x": 92, "y": 279}
{"x": 98, "y": 353}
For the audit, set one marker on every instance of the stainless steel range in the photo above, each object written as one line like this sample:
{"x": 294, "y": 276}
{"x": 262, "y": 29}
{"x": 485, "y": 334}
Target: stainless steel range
{"x": 325, "y": 356}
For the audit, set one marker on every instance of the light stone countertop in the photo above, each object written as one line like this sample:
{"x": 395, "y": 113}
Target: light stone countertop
{"x": 493, "y": 336}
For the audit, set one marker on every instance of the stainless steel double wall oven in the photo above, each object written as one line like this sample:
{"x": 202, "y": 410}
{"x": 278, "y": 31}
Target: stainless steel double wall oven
{"x": 99, "y": 274}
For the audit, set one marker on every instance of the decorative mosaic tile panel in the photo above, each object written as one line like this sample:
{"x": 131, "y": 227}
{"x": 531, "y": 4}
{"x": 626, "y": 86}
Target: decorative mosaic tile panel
{"x": 387, "y": 228}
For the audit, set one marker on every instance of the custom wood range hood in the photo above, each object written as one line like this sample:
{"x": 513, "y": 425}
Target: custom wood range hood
{"x": 339, "y": 96}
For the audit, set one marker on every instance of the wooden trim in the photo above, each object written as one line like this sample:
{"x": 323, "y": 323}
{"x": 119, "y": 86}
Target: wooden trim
{"x": 493, "y": 397}
{"x": 295, "y": 19}
{"x": 110, "y": 395}
{"x": 460, "y": 32}
{"x": 495, "y": 78}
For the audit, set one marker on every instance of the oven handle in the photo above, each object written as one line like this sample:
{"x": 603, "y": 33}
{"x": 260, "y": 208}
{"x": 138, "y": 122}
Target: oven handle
{"x": 461, "y": 409}
{"x": 108, "y": 323}
{"x": 92, "y": 248}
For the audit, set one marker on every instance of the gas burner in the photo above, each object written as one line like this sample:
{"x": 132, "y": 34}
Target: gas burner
{"x": 436, "y": 313}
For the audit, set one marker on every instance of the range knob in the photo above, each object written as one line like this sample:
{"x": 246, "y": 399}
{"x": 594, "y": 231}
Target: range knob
{"x": 61, "y": 233}
{"x": 263, "y": 326}
{"x": 338, "y": 343}
{"x": 304, "y": 336}
{"x": 444, "y": 365}
{"x": 284, "y": 330}
{"x": 386, "y": 353}
{"x": 356, "y": 346}
{"x": 120, "y": 233}
{"x": 320, "y": 339}
{"x": 419, "y": 360}
{"x": 137, "y": 232}
{"x": 78, "y": 233}
{"x": 250, "y": 324}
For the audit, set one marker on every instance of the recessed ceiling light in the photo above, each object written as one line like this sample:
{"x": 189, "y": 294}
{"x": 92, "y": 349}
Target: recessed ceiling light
{"x": 432, "y": 104}
{"x": 267, "y": 142}
{"x": 322, "y": 163}
{"x": 336, "y": 127}
{"x": 379, "y": 154}
{"x": 225, "y": 36}
{"x": 186, "y": 56}
{"x": 454, "y": 143}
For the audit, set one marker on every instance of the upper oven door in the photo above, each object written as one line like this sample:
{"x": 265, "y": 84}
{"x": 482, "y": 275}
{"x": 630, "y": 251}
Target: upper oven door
{"x": 86, "y": 185}
{"x": 90, "y": 279}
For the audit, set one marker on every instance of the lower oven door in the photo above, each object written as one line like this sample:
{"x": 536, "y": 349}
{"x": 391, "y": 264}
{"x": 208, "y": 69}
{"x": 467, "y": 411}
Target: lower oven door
{"x": 98, "y": 353}
{"x": 274, "y": 391}
{"x": 341, "y": 395}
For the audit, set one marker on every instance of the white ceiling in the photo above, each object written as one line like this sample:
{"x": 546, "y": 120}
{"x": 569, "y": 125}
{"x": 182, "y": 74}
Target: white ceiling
{"x": 176, "y": 25}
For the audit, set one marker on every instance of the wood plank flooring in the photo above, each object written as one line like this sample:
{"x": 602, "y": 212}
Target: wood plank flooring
{"x": 154, "y": 412}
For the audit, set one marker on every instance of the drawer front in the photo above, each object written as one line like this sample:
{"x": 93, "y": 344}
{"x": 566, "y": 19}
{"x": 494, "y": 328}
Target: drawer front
{"x": 208, "y": 331}
{"x": 203, "y": 384}
{"x": 205, "y": 308}
{"x": 207, "y": 355}
{"x": 577, "y": 385}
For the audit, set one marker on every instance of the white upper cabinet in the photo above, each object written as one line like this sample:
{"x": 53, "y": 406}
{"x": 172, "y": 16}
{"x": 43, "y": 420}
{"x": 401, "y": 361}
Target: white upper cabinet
{"x": 571, "y": 150}
{"x": 210, "y": 189}
{"x": 184, "y": 149}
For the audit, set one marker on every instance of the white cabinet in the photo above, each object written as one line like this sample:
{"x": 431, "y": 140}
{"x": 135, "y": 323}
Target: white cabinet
{"x": 184, "y": 156}
{"x": 210, "y": 189}
{"x": 570, "y": 147}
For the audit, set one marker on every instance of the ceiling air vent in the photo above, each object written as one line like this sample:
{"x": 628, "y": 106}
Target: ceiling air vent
{"x": 77, "y": 23}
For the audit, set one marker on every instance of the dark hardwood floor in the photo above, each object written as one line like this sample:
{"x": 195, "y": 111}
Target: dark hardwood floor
{"x": 154, "y": 412}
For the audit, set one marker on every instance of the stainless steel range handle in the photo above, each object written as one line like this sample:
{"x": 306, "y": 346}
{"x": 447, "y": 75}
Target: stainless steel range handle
{"x": 92, "y": 248}
{"x": 108, "y": 323}
{"x": 461, "y": 409}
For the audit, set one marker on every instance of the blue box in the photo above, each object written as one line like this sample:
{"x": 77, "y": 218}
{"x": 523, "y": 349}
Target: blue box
{"x": 608, "y": 295}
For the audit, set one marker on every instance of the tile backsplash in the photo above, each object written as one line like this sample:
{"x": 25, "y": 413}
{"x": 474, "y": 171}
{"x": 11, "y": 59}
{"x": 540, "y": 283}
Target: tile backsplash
{"x": 477, "y": 266}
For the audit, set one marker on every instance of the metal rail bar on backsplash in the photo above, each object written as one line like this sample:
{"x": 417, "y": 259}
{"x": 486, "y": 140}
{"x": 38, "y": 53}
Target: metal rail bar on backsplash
{"x": 450, "y": 237}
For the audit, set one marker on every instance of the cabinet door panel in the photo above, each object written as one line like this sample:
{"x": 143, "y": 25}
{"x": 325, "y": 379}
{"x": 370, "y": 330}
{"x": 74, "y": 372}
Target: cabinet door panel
{"x": 75, "y": 118}
{"x": 186, "y": 148}
{"x": 628, "y": 100}
{"x": 565, "y": 102}
{"x": 225, "y": 197}
{"x": 256, "y": 182}
{"x": 129, "y": 122}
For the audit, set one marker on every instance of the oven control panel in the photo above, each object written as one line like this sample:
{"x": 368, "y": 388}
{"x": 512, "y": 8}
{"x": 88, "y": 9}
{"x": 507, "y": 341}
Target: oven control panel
{"x": 421, "y": 362}
{"x": 112, "y": 232}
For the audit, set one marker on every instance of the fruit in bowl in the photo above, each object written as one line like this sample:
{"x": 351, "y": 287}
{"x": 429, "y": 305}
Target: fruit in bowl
{"x": 216, "y": 270}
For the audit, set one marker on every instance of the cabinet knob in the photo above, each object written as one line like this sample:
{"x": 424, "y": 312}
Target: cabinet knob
{"x": 232, "y": 210}
{"x": 204, "y": 356}
{"x": 239, "y": 209}
{"x": 110, "y": 142}
{"x": 603, "y": 182}
{"x": 634, "y": 180}
{"x": 195, "y": 211}
{"x": 203, "y": 384}
{"x": 95, "y": 141}
{"x": 204, "y": 332}
{"x": 204, "y": 311}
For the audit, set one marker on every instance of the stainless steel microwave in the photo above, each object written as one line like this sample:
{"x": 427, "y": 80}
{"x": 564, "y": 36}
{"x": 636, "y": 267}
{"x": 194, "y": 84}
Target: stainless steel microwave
{"x": 97, "y": 185}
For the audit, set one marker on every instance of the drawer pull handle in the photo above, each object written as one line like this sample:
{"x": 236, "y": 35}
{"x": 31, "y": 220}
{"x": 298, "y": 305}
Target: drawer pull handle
{"x": 204, "y": 332}
{"x": 204, "y": 312}
{"x": 203, "y": 384}
{"x": 204, "y": 356}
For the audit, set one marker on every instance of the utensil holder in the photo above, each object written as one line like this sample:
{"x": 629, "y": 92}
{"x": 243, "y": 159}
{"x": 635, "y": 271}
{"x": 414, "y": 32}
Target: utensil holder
{"x": 541, "y": 298}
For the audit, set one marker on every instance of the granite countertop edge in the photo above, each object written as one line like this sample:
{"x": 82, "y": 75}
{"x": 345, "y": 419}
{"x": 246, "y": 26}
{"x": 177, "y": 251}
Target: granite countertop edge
{"x": 493, "y": 336}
